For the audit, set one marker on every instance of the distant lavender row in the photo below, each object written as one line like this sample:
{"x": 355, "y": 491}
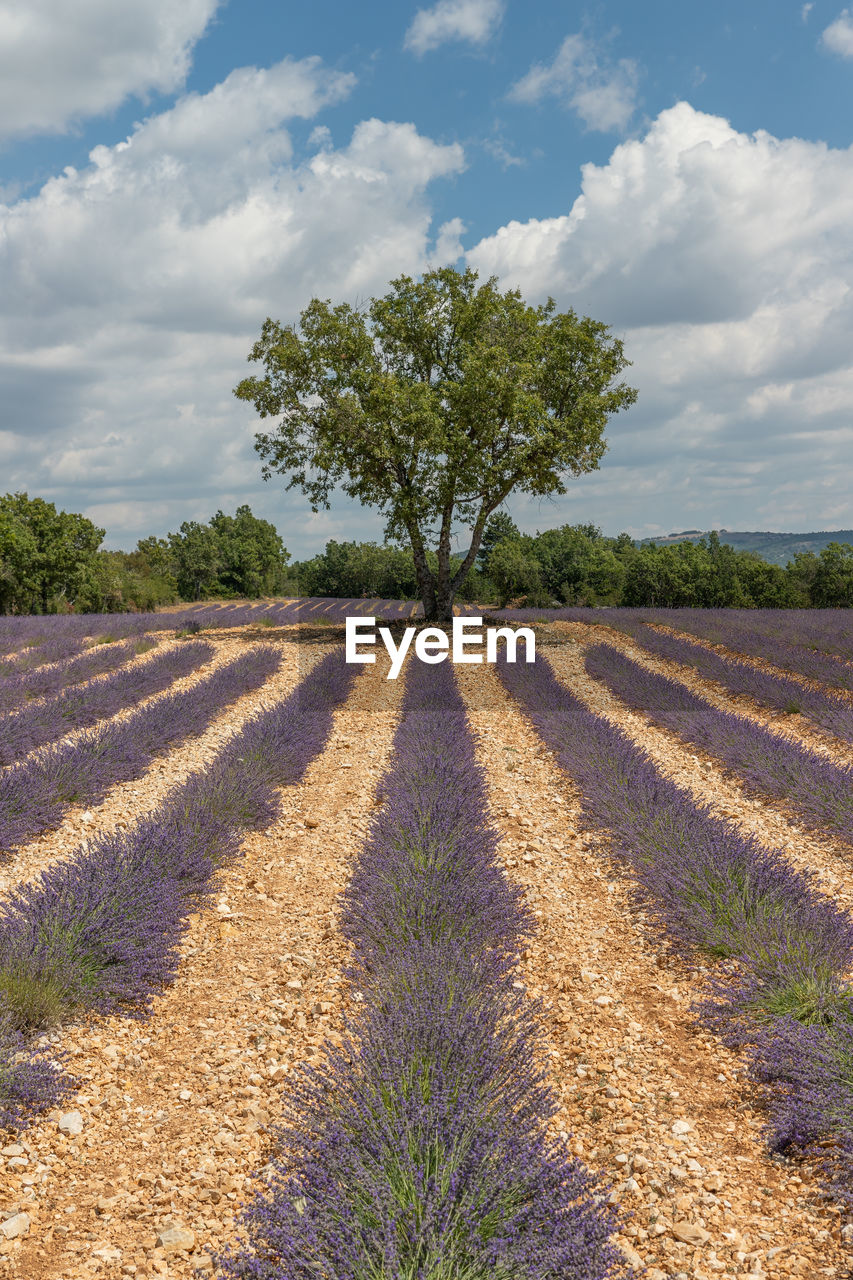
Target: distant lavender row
{"x": 822, "y": 630}
{"x": 46, "y": 682}
{"x": 84, "y": 705}
{"x": 40, "y": 630}
{"x": 742, "y": 630}
{"x": 418, "y": 1148}
{"x": 35, "y": 793}
{"x": 789, "y": 642}
{"x": 50, "y": 649}
{"x": 68, "y": 628}
{"x": 818, "y": 790}
{"x": 786, "y": 948}
{"x": 834, "y": 714}
{"x": 101, "y": 930}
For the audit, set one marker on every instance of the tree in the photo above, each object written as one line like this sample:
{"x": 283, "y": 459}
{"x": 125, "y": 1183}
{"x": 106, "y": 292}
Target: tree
{"x": 197, "y": 559}
{"x": 832, "y": 586}
{"x": 252, "y": 557}
{"x": 514, "y": 571}
{"x": 499, "y": 526}
{"x": 448, "y": 400}
{"x": 46, "y": 556}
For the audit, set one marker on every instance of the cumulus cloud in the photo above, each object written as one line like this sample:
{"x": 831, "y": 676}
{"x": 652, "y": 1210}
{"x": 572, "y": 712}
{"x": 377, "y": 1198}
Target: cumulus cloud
{"x": 131, "y": 290}
{"x": 60, "y": 63}
{"x": 603, "y": 95}
{"x": 472, "y": 20}
{"x": 838, "y": 36}
{"x": 448, "y": 245}
{"x": 723, "y": 261}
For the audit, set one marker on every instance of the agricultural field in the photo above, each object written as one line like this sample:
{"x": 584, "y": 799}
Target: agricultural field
{"x": 524, "y": 971}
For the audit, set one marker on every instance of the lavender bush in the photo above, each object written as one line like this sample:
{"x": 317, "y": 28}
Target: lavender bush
{"x": 29, "y": 1081}
{"x": 818, "y": 790}
{"x": 816, "y": 643}
{"x": 702, "y": 883}
{"x": 419, "y": 1148}
{"x": 832, "y": 713}
{"x": 807, "y": 1076}
{"x": 81, "y": 707}
{"x": 16, "y": 691}
{"x": 771, "y": 634}
{"x": 49, "y": 649}
{"x": 101, "y": 930}
{"x": 35, "y": 793}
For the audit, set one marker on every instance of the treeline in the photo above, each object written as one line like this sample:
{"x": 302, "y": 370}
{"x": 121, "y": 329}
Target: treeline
{"x": 52, "y": 562}
{"x": 578, "y": 565}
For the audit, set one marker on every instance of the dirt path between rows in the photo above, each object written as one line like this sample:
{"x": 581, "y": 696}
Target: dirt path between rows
{"x": 127, "y": 802}
{"x": 646, "y": 1095}
{"x": 796, "y": 727}
{"x": 174, "y": 1109}
{"x": 761, "y": 664}
{"x": 707, "y": 780}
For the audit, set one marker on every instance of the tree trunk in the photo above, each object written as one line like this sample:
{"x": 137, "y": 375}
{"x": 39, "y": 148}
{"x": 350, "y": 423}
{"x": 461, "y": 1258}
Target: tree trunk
{"x": 444, "y": 587}
{"x": 426, "y": 581}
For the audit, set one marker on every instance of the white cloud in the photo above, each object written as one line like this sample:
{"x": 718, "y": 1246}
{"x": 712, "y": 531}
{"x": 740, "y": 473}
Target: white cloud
{"x": 131, "y": 290}
{"x": 805, "y": 11}
{"x": 603, "y": 95}
{"x": 497, "y": 148}
{"x": 448, "y": 246}
{"x": 472, "y": 20}
{"x": 61, "y": 62}
{"x": 724, "y": 262}
{"x": 838, "y": 36}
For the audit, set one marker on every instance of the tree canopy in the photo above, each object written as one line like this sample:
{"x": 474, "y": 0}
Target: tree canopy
{"x": 239, "y": 555}
{"x": 433, "y": 404}
{"x": 47, "y": 557}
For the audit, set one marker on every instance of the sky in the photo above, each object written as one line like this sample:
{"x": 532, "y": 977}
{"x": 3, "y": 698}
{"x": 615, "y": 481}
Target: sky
{"x": 171, "y": 175}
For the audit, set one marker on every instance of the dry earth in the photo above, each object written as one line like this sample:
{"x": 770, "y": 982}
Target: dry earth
{"x": 173, "y": 1111}
{"x": 647, "y": 1096}
{"x": 128, "y": 801}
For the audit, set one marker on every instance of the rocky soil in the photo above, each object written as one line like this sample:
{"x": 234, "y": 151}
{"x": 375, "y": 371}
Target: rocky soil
{"x": 143, "y": 1171}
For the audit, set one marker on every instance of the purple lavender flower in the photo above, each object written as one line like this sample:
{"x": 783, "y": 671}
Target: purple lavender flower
{"x": 820, "y": 791}
{"x": 419, "y": 1147}
{"x": 101, "y": 930}
{"x": 701, "y": 882}
{"x": 35, "y": 793}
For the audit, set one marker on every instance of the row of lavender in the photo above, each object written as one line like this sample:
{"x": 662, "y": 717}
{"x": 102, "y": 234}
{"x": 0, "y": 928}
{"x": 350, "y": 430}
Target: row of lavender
{"x": 785, "y": 950}
{"x": 31, "y": 640}
{"x": 819, "y": 791}
{"x": 774, "y": 635}
{"x": 45, "y": 669}
{"x": 419, "y": 1147}
{"x": 35, "y": 793}
{"x": 101, "y": 930}
{"x": 46, "y": 682}
{"x": 82, "y": 705}
{"x": 804, "y": 647}
{"x": 50, "y": 647}
{"x": 820, "y": 630}
{"x": 830, "y": 711}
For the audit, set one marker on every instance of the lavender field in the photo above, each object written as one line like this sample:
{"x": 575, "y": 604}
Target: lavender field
{"x": 523, "y": 971}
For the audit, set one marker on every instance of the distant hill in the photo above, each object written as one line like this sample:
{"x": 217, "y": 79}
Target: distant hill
{"x": 777, "y": 548}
